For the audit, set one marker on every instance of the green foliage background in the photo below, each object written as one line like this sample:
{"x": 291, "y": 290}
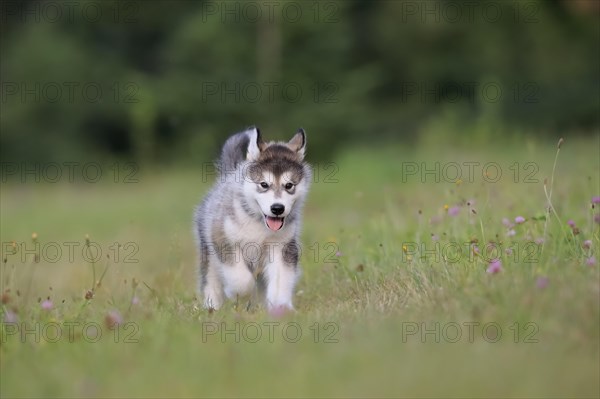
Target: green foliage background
{"x": 355, "y": 62}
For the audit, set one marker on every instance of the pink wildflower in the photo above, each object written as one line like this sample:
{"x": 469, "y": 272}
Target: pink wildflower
{"x": 542, "y": 282}
{"x": 495, "y": 266}
{"x": 453, "y": 211}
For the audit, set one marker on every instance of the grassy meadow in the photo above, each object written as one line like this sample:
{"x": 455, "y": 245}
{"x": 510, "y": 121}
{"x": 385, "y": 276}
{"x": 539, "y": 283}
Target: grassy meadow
{"x": 432, "y": 271}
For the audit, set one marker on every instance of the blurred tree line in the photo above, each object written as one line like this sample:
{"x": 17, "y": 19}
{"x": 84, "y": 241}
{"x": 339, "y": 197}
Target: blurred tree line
{"x": 167, "y": 81}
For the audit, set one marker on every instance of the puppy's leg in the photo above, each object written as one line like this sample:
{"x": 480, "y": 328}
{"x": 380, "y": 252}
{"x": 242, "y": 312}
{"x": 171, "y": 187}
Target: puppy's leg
{"x": 238, "y": 280}
{"x": 211, "y": 284}
{"x": 281, "y": 273}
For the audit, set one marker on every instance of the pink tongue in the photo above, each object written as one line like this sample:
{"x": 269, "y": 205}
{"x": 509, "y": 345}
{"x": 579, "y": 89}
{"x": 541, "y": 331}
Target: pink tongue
{"x": 274, "y": 223}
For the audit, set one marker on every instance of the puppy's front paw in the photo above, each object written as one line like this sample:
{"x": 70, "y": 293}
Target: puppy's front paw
{"x": 278, "y": 311}
{"x": 211, "y": 303}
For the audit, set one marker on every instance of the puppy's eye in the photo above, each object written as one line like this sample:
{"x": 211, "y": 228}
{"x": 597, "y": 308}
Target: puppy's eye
{"x": 264, "y": 185}
{"x": 289, "y": 186}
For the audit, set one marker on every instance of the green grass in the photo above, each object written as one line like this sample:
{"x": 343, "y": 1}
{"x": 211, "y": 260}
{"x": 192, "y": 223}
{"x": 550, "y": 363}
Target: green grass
{"x": 360, "y": 289}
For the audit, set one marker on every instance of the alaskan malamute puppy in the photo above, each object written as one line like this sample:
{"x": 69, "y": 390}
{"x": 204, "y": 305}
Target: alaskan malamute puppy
{"x": 249, "y": 223}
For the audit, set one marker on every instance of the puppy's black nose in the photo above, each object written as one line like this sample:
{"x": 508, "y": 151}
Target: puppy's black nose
{"x": 277, "y": 209}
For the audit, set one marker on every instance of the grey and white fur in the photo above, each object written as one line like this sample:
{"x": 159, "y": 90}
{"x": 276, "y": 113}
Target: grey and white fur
{"x": 248, "y": 225}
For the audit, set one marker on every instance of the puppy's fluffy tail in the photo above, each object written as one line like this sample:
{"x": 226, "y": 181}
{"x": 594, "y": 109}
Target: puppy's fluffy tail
{"x": 235, "y": 150}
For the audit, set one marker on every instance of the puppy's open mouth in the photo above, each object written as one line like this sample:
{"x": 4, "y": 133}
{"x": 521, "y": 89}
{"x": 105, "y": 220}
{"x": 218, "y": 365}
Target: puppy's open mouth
{"x": 274, "y": 223}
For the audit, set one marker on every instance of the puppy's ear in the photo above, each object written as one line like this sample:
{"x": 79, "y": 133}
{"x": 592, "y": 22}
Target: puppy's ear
{"x": 298, "y": 143}
{"x": 255, "y": 145}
